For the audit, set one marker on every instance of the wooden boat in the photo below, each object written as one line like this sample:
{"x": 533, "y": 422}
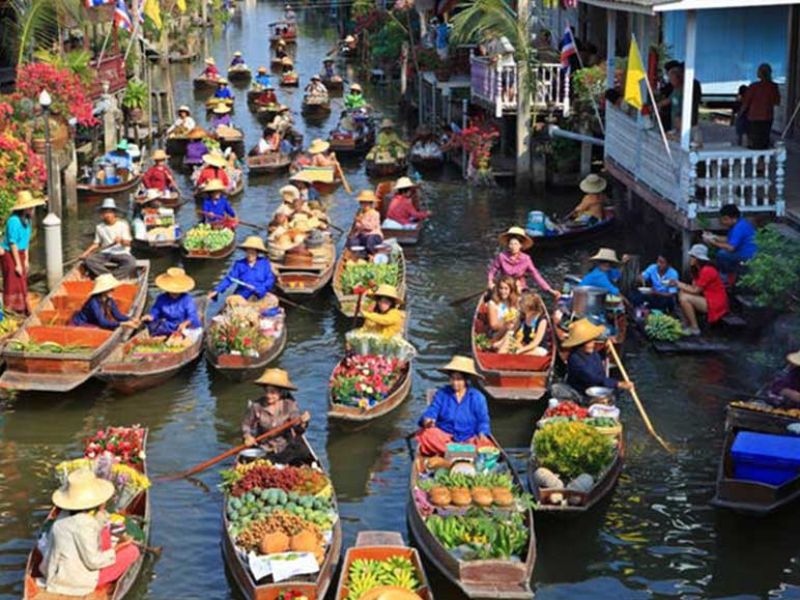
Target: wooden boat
{"x": 276, "y": 64}
{"x": 305, "y": 276}
{"x": 313, "y": 587}
{"x": 139, "y": 507}
{"x": 156, "y": 247}
{"x": 380, "y": 545}
{"x": 283, "y": 30}
{"x": 274, "y": 162}
{"x": 492, "y": 578}
{"x": 223, "y": 252}
{"x": 397, "y": 395}
{"x": 742, "y": 495}
{"x": 353, "y": 143}
{"x": 91, "y": 191}
{"x": 290, "y": 80}
{"x": 201, "y": 82}
{"x": 405, "y": 237}
{"x": 570, "y": 233}
{"x": 129, "y": 375}
{"x": 333, "y": 84}
{"x": 239, "y": 73}
{"x": 347, "y": 302}
{"x": 168, "y": 199}
{"x": 511, "y": 377}
{"x": 316, "y": 106}
{"x": 386, "y": 169}
{"x": 57, "y": 370}
{"x": 265, "y": 113}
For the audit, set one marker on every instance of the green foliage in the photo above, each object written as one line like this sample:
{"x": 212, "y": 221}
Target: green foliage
{"x": 663, "y": 328}
{"x": 135, "y": 95}
{"x": 565, "y": 150}
{"x": 387, "y": 42}
{"x": 588, "y": 87}
{"x": 76, "y": 61}
{"x": 572, "y": 448}
{"x": 773, "y": 274}
{"x": 33, "y": 24}
{"x": 361, "y": 8}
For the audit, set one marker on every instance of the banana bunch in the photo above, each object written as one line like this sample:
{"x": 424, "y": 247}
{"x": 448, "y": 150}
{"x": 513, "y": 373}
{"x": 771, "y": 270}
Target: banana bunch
{"x": 366, "y": 574}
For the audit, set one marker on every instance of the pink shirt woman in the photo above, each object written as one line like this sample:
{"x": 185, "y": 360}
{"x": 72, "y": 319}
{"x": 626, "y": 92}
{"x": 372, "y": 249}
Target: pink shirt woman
{"x": 512, "y": 262}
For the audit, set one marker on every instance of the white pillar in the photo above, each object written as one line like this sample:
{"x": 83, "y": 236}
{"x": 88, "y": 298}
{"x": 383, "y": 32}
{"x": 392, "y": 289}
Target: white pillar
{"x": 54, "y": 261}
{"x": 611, "y": 46}
{"x": 688, "y": 79}
{"x": 523, "y": 152}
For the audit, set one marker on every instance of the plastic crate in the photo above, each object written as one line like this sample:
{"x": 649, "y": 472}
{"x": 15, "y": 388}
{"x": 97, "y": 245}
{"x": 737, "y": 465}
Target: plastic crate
{"x": 766, "y": 458}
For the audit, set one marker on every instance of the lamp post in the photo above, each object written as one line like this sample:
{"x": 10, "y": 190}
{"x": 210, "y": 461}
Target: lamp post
{"x": 53, "y": 203}
{"x": 52, "y": 222}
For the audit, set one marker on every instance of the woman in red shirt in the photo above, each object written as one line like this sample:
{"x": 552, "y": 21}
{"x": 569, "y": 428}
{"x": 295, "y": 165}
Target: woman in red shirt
{"x": 706, "y": 294}
{"x": 759, "y": 105}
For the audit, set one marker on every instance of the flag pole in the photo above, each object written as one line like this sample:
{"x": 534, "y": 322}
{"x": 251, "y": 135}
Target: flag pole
{"x": 591, "y": 96}
{"x": 654, "y": 104}
{"x": 135, "y": 32}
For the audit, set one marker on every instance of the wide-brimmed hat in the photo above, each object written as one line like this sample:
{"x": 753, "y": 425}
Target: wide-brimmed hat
{"x": 593, "y": 184}
{"x": 253, "y": 242}
{"x": 184, "y": 108}
{"x": 356, "y": 87}
{"x": 387, "y": 291}
{"x": 605, "y": 255}
{"x": 366, "y": 196}
{"x": 461, "y": 364}
{"x": 215, "y": 185}
{"x": 404, "y": 183}
{"x": 222, "y": 81}
{"x": 582, "y": 331}
{"x": 109, "y": 204}
{"x": 290, "y": 190}
{"x": 122, "y": 145}
{"x": 793, "y": 358}
{"x": 276, "y": 378}
{"x": 210, "y": 61}
{"x": 318, "y": 146}
{"x": 262, "y": 69}
{"x": 287, "y": 61}
{"x": 104, "y": 283}
{"x": 196, "y": 134}
{"x": 221, "y": 109}
{"x": 349, "y": 39}
{"x": 699, "y": 251}
{"x": 83, "y": 490}
{"x": 160, "y": 155}
{"x": 237, "y": 53}
{"x": 26, "y": 200}
{"x": 390, "y": 592}
{"x": 215, "y": 160}
{"x": 387, "y": 124}
{"x": 175, "y": 280}
{"x": 314, "y": 77}
{"x": 516, "y": 232}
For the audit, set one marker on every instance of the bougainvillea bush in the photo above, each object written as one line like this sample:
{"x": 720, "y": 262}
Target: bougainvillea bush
{"x": 20, "y": 167}
{"x": 65, "y": 88}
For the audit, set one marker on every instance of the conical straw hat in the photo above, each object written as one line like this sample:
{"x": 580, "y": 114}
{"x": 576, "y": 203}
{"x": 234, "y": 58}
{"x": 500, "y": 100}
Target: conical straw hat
{"x": 104, "y": 283}
{"x": 582, "y": 331}
{"x": 516, "y": 232}
{"x": 276, "y": 378}
{"x": 83, "y": 490}
{"x": 461, "y": 364}
{"x": 175, "y": 281}
{"x": 253, "y": 242}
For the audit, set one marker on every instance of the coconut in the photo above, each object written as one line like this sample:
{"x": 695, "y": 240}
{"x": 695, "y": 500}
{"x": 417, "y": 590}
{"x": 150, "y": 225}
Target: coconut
{"x": 274, "y": 543}
{"x": 460, "y": 496}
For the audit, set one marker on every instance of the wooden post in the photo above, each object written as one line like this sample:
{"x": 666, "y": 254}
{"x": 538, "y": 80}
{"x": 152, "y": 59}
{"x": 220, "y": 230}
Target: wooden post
{"x": 688, "y": 79}
{"x": 109, "y": 120}
{"x": 71, "y": 183}
{"x": 523, "y": 108}
{"x": 611, "y": 47}
{"x": 404, "y": 70}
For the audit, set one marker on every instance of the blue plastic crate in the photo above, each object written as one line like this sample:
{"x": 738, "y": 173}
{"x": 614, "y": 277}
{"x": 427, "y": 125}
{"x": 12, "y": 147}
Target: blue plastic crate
{"x": 765, "y": 457}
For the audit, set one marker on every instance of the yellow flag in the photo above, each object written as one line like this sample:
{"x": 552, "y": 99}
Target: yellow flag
{"x": 153, "y": 10}
{"x": 181, "y": 4}
{"x": 635, "y": 77}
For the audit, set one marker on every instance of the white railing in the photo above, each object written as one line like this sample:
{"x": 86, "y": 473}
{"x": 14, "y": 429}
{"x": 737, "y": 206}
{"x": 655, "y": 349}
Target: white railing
{"x": 702, "y": 179}
{"x": 552, "y": 88}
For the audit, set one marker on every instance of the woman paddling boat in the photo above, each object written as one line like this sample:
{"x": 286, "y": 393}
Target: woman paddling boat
{"x": 252, "y": 275}
{"x": 585, "y": 368}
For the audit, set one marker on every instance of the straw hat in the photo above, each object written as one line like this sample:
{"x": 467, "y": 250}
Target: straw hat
{"x": 83, "y": 490}
{"x": 318, "y": 146}
{"x": 461, "y": 364}
{"x": 593, "y": 184}
{"x": 196, "y": 134}
{"x": 605, "y": 255}
{"x": 210, "y": 61}
{"x": 387, "y": 291}
{"x": 699, "y": 251}
{"x": 105, "y": 283}
{"x": 387, "y": 124}
{"x": 237, "y": 53}
{"x": 215, "y": 185}
{"x": 516, "y": 232}
{"x": 286, "y": 61}
{"x": 184, "y": 108}
{"x": 253, "y": 242}
{"x": 222, "y": 81}
{"x": 109, "y": 204}
{"x": 291, "y": 191}
{"x": 160, "y": 155}
{"x": 390, "y": 592}
{"x": 175, "y": 281}
{"x": 221, "y": 109}
{"x": 582, "y": 331}
{"x": 349, "y": 39}
{"x": 793, "y": 358}
{"x": 356, "y": 87}
{"x": 262, "y": 69}
{"x": 404, "y": 183}
{"x": 26, "y": 200}
{"x": 276, "y": 378}
{"x": 367, "y": 196}
{"x": 215, "y": 160}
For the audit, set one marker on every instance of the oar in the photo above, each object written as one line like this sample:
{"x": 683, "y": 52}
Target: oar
{"x": 346, "y": 185}
{"x": 466, "y": 298}
{"x": 636, "y": 399}
{"x": 358, "y": 308}
{"x": 154, "y": 550}
{"x": 232, "y": 452}
{"x": 280, "y": 298}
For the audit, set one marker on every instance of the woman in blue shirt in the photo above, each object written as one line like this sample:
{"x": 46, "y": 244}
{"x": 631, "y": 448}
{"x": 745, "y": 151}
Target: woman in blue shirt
{"x": 458, "y": 412}
{"x": 604, "y": 274}
{"x": 252, "y": 274}
{"x": 100, "y": 310}
{"x": 14, "y": 261}
{"x": 216, "y": 208}
{"x": 174, "y": 311}
{"x": 223, "y": 91}
{"x": 585, "y": 367}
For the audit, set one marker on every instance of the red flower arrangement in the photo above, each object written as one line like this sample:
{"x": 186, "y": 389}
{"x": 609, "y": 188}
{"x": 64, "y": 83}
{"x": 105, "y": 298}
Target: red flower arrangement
{"x": 20, "y": 167}
{"x": 364, "y": 379}
{"x": 122, "y": 444}
{"x": 65, "y": 88}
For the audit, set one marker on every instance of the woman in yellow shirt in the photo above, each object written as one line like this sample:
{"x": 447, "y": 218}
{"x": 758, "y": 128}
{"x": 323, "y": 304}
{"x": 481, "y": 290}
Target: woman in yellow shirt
{"x": 386, "y": 319}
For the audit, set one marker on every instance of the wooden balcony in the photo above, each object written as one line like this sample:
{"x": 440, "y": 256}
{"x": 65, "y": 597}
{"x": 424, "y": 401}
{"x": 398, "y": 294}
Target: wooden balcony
{"x": 694, "y": 182}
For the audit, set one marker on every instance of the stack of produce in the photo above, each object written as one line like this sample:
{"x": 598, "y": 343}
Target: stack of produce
{"x": 149, "y": 349}
{"x": 368, "y": 275}
{"x": 122, "y": 444}
{"x": 663, "y": 328}
{"x": 242, "y": 330}
{"x": 160, "y": 224}
{"x": 47, "y": 347}
{"x": 204, "y": 238}
{"x": 9, "y": 325}
{"x": 366, "y": 574}
{"x": 364, "y": 380}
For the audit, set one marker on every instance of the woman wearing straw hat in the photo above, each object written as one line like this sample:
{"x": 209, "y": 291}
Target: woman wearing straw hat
{"x": 605, "y": 273}
{"x": 111, "y": 244}
{"x": 315, "y": 87}
{"x": 403, "y": 212}
{"x": 385, "y": 319}
{"x": 214, "y": 167}
{"x": 252, "y": 274}
{"x": 355, "y": 99}
{"x": 303, "y": 182}
{"x": 216, "y": 208}
{"x": 237, "y": 59}
{"x": 101, "y": 310}
{"x": 275, "y": 408}
{"x": 590, "y": 208}
{"x": 367, "y": 226}
{"x": 79, "y": 558}
{"x": 389, "y": 141}
{"x": 159, "y": 176}
{"x": 174, "y": 311}
{"x": 458, "y": 412}
{"x": 321, "y": 155}
{"x": 211, "y": 71}
{"x": 585, "y": 366}
{"x": 785, "y": 390}
{"x": 221, "y": 116}
{"x": 706, "y": 294}
{"x": 262, "y": 78}
{"x": 513, "y": 262}
{"x": 14, "y": 259}
{"x": 223, "y": 92}
{"x": 196, "y": 148}
{"x": 184, "y": 123}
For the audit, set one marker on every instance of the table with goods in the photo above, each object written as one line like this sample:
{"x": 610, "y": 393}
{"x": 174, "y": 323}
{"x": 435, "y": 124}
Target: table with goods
{"x": 160, "y": 225}
{"x": 204, "y": 238}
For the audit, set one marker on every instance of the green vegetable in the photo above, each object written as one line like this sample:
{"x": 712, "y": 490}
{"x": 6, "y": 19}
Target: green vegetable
{"x": 205, "y": 238}
{"x": 369, "y": 275}
{"x": 663, "y": 328}
{"x": 572, "y": 448}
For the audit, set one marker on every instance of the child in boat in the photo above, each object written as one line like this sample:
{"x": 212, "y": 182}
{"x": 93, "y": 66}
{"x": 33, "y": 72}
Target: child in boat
{"x": 530, "y": 338}
{"x": 174, "y": 311}
{"x": 386, "y": 318}
{"x": 101, "y": 310}
{"x": 502, "y": 313}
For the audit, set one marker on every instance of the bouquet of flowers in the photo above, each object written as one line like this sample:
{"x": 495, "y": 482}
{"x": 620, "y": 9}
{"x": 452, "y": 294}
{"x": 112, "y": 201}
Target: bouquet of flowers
{"x": 121, "y": 444}
{"x": 364, "y": 380}
{"x": 128, "y": 481}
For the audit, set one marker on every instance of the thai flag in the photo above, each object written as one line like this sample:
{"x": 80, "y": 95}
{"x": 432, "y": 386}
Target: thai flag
{"x": 568, "y": 48}
{"x": 122, "y": 18}
{"x": 94, "y": 3}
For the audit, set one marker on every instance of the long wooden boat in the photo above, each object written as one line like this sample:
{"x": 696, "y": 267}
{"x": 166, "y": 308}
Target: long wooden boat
{"x": 346, "y": 302}
{"x": 274, "y": 162}
{"x": 76, "y": 353}
{"x": 313, "y": 587}
{"x": 316, "y": 106}
{"x": 156, "y": 247}
{"x": 353, "y": 145}
{"x": 333, "y": 84}
{"x": 567, "y": 234}
{"x": 386, "y": 169}
{"x": 405, "y": 237}
{"x": 129, "y": 375}
{"x": 239, "y": 73}
{"x": 305, "y": 277}
{"x": 202, "y": 82}
{"x": 484, "y": 579}
{"x": 168, "y": 199}
{"x": 283, "y": 30}
{"x": 90, "y": 191}
{"x": 397, "y": 395}
{"x": 381, "y": 545}
{"x": 746, "y": 496}
{"x": 139, "y": 508}
{"x": 223, "y": 252}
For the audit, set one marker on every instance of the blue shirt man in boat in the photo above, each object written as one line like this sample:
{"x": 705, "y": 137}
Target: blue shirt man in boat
{"x": 216, "y": 208}
{"x": 101, "y": 310}
{"x": 118, "y": 159}
{"x": 458, "y": 412}
{"x": 223, "y": 91}
{"x": 605, "y": 273}
{"x": 252, "y": 274}
{"x": 262, "y": 78}
{"x": 585, "y": 366}
{"x": 174, "y": 311}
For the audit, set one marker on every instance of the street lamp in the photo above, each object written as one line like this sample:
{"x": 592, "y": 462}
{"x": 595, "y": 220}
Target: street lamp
{"x": 52, "y": 223}
{"x": 45, "y": 101}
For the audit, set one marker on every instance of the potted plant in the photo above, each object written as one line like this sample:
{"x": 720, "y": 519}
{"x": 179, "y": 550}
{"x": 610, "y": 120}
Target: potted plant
{"x": 135, "y": 100}
{"x": 428, "y": 59}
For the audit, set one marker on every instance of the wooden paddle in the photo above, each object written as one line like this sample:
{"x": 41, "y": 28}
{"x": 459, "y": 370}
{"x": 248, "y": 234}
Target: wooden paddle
{"x": 466, "y": 298}
{"x": 232, "y": 452}
{"x": 636, "y": 399}
{"x": 358, "y": 309}
{"x": 346, "y": 185}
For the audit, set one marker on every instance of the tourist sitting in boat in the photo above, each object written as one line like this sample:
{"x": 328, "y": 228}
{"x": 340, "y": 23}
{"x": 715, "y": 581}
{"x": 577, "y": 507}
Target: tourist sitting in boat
{"x": 740, "y": 244}
{"x": 270, "y": 142}
{"x": 184, "y": 123}
{"x": 275, "y": 408}
{"x": 214, "y": 167}
{"x": 590, "y": 209}
{"x": 585, "y": 366}
{"x": 458, "y": 412}
{"x": 159, "y": 176}
{"x": 785, "y": 390}
{"x": 658, "y": 277}
{"x": 531, "y": 337}
{"x": 14, "y": 253}
{"x": 101, "y": 310}
{"x": 267, "y": 97}
{"x": 706, "y": 294}
{"x": 403, "y": 212}
{"x": 252, "y": 274}
{"x": 355, "y": 99}
{"x": 216, "y": 208}
{"x": 211, "y": 71}
{"x": 111, "y": 245}
{"x": 279, "y": 225}
{"x": 320, "y": 153}
{"x": 262, "y": 77}
{"x": 221, "y": 117}
{"x": 237, "y": 59}
{"x": 389, "y": 140}
{"x": 605, "y": 273}
{"x": 515, "y": 263}
{"x": 503, "y": 311}
{"x": 196, "y": 148}
{"x": 328, "y": 70}
{"x": 223, "y": 92}
{"x": 303, "y": 183}
{"x": 79, "y": 557}
{"x": 174, "y": 311}
{"x": 385, "y": 319}
{"x": 315, "y": 87}
{"x": 367, "y": 227}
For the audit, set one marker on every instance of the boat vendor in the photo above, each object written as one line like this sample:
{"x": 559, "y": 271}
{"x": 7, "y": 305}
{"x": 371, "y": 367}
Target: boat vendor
{"x": 120, "y": 159}
{"x": 786, "y": 388}
{"x": 503, "y": 311}
{"x": 303, "y": 182}
{"x": 355, "y": 98}
{"x": 211, "y": 71}
{"x": 111, "y": 245}
{"x": 270, "y": 141}
{"x": 367, "y": 227}
{"x": 174, "y": 311}
{"x": 590, "y": 209}
{"x": 287, "y": 66}
{"x": 282, "y": 122}
{"x": 14, "y": 257}
{"x": 252, "y": 274}
{"x": 267, "y": 97}
{"x": 315, "y": 87}
{"x": 605, "y": 273}
{"x": 237, "y": 59}
{"x": 79, "y": 557}
{"x": 159, "y": 176}
{"x": 386, "y": 319}
{"x": 216, "y": 208}
{"x": 706, "y": 294}
{"x": 262, "y": 77}
{"x": 184, "y": 123}
{"x": 214, "y": 167}
{"x": 320, "y": 153}
{"x": 458, "y": 412}
{"x": 223, "y": 92}
{"x": 658, "y": 276}
{"x": 740, "y": 244}
{"x": 196, "y": 149}
{"x": 515, "y": 263}
{"x": 389, "y": 140}
{"x": 328, "y": 70}
{"x": 221, "y": 116}
{"x": 585, "y": 366}
{"x": 403, "y": 212}
{"x": 101, "y": 310}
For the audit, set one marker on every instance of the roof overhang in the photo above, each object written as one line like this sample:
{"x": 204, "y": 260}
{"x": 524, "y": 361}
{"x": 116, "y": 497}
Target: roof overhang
{"x": 652, "y": 7}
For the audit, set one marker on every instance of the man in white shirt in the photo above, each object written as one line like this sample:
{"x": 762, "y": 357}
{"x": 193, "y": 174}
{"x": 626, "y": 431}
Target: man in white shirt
{"x": 184, "y": 123}
{"x": 111, "y": 245}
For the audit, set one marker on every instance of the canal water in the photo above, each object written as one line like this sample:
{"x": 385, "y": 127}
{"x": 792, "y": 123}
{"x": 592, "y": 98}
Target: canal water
{"x": 656, "y": 537}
